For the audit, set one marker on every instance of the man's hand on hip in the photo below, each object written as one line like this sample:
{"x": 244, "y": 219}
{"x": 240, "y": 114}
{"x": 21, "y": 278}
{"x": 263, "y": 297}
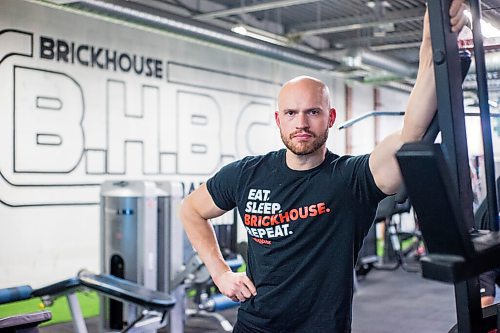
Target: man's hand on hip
{"x": 236, "y": 286}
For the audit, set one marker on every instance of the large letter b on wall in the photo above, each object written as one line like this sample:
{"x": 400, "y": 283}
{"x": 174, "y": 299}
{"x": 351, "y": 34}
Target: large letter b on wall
{"x": 48, "y": 111}
{"x": 199, "y": 134}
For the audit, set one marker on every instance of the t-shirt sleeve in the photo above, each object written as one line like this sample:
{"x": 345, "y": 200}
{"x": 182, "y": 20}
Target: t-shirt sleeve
{"x": 360, "y": 180}
{"x": 223, "y": 186}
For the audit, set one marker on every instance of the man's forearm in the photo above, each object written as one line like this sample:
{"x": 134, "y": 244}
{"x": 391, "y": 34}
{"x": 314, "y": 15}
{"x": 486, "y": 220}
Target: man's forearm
{"x": 201, "y": 234}
{"x": 422, "y": 103}
{"x": 418, "y": 116}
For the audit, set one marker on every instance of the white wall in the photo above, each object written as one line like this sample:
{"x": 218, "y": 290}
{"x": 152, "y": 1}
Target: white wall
{"x": 390, "y": 100}
{"x": 362, "y": 133}
{"x": 336, "y": 138}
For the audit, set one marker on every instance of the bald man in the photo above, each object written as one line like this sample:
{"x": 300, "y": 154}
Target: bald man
{"x": 306, "y": 210}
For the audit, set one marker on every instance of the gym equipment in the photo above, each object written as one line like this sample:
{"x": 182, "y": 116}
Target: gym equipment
{"x": 207, "y": 303}
{"x": 481, "y": 217}
{"x": 389, "y": 212}
{"x": 370, "y": 114}
{"x": 401, "y": 249}
{"x": 154, "y": 303}
{"x": 437, "y": 177}
{"x": 141, "y": 241}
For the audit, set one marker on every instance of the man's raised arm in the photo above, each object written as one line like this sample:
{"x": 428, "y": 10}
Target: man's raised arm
{"x": 420, "y": 110}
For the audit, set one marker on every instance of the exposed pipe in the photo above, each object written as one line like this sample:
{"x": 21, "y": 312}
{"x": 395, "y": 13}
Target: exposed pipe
{"x": 395, "y": 46}
{"x": 361, "y": 18}
{"x": 202, "y": 31}
{"x": 354, "y": 26}
{"x": 251, "y": 8}
{"x": 359, "y": 57}
{"x": 362, "y": 57}
{"x": 492, "y": 61}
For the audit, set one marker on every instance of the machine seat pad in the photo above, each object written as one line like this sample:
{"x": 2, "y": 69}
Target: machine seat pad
{"x": 25, "y": 320}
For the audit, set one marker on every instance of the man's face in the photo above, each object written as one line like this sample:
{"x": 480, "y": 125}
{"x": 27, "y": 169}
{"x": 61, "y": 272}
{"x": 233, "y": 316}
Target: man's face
{"x": 304, "y": 116}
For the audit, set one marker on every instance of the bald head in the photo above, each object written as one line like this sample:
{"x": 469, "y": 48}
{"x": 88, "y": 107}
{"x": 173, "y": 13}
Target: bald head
{"x": 304, "y": 116}
{"x": 304, "y": 89}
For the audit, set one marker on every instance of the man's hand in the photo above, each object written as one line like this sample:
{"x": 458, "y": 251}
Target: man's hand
{"x": 236, "y": 286}
{"x": 458, "y": 19}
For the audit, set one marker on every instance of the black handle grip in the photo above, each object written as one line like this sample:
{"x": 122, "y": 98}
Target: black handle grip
{"x": 15, "y": 294}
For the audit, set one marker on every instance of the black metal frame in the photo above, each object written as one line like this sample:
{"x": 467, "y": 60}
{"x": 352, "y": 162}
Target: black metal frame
{"x": 437, "y": 178}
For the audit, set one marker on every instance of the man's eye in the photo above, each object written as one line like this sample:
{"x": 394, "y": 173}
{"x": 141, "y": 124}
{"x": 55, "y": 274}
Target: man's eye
{"x": 314, "y": 112}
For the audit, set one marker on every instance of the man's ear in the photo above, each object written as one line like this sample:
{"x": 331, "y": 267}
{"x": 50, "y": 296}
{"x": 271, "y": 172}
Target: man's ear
{"x": 276, "y": 118}
{"x": 333, "y": 116}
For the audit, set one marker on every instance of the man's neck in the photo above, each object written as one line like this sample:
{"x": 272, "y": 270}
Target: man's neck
{"x": 305, "y": 162}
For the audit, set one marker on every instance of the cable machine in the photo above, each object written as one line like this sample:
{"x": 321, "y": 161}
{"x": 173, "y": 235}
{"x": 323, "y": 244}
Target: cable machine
{"x": 437, "y": 178}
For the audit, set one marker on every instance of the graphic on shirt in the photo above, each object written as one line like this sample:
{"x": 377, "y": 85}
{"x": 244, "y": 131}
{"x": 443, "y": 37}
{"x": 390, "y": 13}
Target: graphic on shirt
{"x": 265, "y": 220}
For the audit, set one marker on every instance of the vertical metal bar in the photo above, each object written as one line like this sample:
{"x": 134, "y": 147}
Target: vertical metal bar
{"x": 482, "y": 90}
{"x": 498, "y": 317}
{"x": 76, "y": 314}
{"x": 451, "y": 117}
{"x": 175, "y": 259}
{"x": 468, "y": 305}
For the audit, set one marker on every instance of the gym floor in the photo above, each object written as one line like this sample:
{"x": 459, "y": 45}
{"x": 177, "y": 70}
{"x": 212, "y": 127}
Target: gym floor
{"x": 386, "y": 301}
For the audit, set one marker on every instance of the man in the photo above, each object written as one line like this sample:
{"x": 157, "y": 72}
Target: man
{"x": 487, "y": 283}
{"x": 306, "y": 210}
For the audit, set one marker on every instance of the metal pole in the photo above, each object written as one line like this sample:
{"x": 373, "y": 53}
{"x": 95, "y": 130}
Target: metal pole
{"x": 482, "y": 87}
{"x": 76, "y": 314}
{"x": 451, "y": 118}
{"x": 447, "y": 69}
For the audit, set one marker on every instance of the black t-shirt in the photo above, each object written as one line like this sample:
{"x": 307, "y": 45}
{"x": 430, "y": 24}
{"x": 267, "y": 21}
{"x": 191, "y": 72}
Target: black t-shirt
{"x": 305, "y": 229}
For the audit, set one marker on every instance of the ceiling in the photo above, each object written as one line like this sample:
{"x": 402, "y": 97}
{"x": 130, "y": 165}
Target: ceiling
{"x": 385, "y": 32}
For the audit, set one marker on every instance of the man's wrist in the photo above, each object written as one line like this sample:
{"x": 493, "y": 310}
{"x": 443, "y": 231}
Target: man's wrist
{"x": 217, "y": 276}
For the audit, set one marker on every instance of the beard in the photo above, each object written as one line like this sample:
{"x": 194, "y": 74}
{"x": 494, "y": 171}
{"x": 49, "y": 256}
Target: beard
{"x": 305, "y": 148}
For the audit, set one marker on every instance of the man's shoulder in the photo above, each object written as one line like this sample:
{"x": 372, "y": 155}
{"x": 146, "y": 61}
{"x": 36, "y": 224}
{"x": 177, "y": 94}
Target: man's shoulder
{"x": 254, "y": 160}
{"x": 347, "y": 159}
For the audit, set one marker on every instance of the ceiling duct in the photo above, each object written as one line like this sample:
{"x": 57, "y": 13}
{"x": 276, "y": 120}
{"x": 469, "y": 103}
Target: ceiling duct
{"x": 359, "y": 57}
{"x": 188, "y": 27}
{"x": 492, "y": 61}
{"x": 252, "y": 8}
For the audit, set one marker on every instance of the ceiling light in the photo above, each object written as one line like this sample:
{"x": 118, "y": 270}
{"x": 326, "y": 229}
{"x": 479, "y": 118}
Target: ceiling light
{"x": 239, "y": 29}
{"x": 373, "y": 4}
{"x": 260, "y": 34}
{"x": 370, "y": 4}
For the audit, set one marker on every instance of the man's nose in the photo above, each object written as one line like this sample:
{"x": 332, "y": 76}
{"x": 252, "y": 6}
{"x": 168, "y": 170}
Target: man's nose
{"x": 302, "y": 121}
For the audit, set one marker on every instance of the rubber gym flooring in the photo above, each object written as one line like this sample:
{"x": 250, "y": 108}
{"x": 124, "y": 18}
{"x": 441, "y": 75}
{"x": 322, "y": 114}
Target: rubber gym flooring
{"x": 386, "y": 302}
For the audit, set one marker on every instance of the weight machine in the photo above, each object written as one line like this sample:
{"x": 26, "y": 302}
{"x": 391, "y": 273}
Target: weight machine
{"x": 437, "y": 178}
